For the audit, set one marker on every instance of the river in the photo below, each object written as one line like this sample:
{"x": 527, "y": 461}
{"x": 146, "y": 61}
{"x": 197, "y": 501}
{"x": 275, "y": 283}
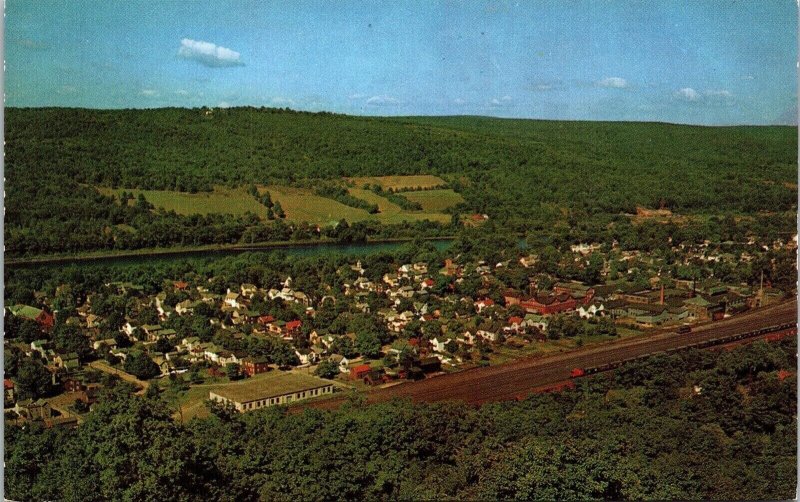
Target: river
{"x": 352, "y": 249}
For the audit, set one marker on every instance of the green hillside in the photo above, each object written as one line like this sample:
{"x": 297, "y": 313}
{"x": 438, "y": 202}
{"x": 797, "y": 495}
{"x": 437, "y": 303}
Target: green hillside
{"x": 516, "y": 171}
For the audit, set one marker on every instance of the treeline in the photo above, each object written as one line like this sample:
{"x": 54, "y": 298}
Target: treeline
{"x": 339, "y": 193}
{"x": 395, "y": 198}
{"x": 689, "y": 426}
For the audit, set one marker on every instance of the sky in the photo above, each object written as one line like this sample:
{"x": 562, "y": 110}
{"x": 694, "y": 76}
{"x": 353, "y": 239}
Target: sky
{"x": 698, "y": 62}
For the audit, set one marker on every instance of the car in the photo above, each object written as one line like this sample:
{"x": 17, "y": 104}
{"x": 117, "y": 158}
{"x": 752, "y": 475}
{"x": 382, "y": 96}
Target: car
{"x": 577, "y": 372}
{"x": 684, "y": 329}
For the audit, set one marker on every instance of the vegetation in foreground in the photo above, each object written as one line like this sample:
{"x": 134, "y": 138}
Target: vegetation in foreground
{"x": 695, "y": 425}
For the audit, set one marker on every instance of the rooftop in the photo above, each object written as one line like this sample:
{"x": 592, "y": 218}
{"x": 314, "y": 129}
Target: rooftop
{"x": 269, "y": 385}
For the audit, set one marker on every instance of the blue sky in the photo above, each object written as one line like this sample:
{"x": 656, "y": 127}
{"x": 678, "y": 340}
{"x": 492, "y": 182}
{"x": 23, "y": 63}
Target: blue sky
{"x": 701, "y": 62}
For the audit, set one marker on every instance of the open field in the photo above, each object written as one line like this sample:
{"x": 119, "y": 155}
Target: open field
{"x": 222, "y": 200}
{"x": 434, "y": 200}
{"x": 400, "y": 182}
{"x": 301, "y": 204}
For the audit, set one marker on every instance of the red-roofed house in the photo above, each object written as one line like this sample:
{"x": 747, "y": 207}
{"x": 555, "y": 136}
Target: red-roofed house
{"x": 784, "y": 374}
{"x": 483, "y": 303}
{"x": 359, "y": 372}
{"x": 181, "y": 285}
{"x": 293, "y": 326}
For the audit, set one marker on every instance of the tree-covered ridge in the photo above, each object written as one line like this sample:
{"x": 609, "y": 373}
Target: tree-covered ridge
{"x": 695, "y": 425}
{"x": 595, "y": 165}
{"x": 524, "y": 174}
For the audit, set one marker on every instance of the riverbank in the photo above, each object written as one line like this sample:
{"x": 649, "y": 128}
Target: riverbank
{"x": 193, "y": 251}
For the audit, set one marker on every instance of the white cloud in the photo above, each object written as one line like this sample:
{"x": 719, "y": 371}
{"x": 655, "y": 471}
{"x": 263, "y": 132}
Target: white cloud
{"x": 67, "y": 89}
{"x": 544, "y": 87}
{"x": 223, "y": 104}
{"x": 688, "y": 94}
{"x": 356, "y": 96}
{"x": 459, "y": 101}
{"x": 382, "y": 101}
{"x": 150, "y": 93}
{"x": 497, "y": 102}
{"x": 182, "y": 92}
{"x": 613, "y": 82}
{"x": 208, "y": 54}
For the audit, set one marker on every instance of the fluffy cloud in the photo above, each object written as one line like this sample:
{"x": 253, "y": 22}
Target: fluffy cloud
{"x": 687, "y": 94}
{"x": 613, "y": 82}
{"x": 150, "y": 93}
{"x": 208, "y": 54}
{"x": 459, "y": 102}
{"x": 382, "y": 101}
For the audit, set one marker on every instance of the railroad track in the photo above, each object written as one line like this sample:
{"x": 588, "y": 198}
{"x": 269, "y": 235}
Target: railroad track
{"x": 517, "y": 379}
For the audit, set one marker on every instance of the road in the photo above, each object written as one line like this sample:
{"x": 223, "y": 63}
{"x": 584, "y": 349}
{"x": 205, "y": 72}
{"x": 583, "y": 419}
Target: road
{"x": 517, "y": 379}
{"x": 105, "y": 367}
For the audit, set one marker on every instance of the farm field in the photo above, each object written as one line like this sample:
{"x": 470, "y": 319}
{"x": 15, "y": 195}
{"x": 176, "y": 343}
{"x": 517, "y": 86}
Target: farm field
{"x": 301, "y": 204}
{"x": 400, "y": 182}
{"x": 222, "y": 200}
{"x": 434, "y": 200}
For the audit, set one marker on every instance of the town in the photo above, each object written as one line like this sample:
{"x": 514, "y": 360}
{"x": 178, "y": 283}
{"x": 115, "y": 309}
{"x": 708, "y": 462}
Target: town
{"x": 374, "y": 324}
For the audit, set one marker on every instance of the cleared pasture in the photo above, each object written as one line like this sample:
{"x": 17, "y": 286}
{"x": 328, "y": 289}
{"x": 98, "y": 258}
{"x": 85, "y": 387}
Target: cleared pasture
{"x": 222, "y": 200}
{"x": 434, "y": 200}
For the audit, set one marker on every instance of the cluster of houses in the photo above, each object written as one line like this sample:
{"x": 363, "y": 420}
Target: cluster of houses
{"x": 409, "y": 297}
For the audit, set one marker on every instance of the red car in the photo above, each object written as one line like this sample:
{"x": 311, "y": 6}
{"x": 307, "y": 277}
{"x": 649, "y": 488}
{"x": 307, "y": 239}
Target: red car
{"x": 576, "y": 372}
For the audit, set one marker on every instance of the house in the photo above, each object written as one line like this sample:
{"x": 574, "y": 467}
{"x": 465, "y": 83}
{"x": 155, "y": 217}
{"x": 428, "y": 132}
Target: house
{"x": 306, "y": 356}
{"x": 255, "y": 365}
{"x": 67, "y": 361}
{"x": 248, "y": 290}
{"x": 483, "y": 303}
{"x": 342, "y": 361}
{"x": 430, "y": 364}
{"x": 292, "y": 327}
{"x": 360, "y": 371}
{"x": 233, "y": 300}
{"x": 9, "y": 392}
{"x": 596, "y": 308}
{"x": 44, "y": 319}
{"x": 33, "y": 410}
{"x": 439, "y": 344}
{"x": 108, "y": 342}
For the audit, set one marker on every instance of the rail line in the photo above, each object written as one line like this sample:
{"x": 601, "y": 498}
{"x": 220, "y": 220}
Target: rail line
{"x": 519, "y": 378}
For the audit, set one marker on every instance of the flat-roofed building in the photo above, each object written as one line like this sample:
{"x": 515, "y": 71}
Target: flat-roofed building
{"x": 271, "y": 390}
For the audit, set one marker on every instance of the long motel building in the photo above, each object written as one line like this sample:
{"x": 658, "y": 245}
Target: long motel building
{"x": 271, "y": 390}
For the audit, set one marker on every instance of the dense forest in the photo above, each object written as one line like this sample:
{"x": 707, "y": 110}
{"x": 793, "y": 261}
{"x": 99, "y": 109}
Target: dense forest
{"x": 694, "y": 425}
{"x": 522, "y": 173}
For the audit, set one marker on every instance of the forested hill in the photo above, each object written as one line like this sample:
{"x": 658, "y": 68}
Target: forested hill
{"x": 527, "y": 175}
{"x": 599, "y": 165}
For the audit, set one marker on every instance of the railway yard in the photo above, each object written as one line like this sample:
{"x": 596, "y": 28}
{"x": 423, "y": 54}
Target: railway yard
{"x": 516, "y": 380}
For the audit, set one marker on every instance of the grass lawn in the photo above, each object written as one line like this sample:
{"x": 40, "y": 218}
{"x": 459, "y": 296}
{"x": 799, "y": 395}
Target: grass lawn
{"x": 400, "y": 182}
{"x": 221, "y": 200}
{"x": 434, "y": 200}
